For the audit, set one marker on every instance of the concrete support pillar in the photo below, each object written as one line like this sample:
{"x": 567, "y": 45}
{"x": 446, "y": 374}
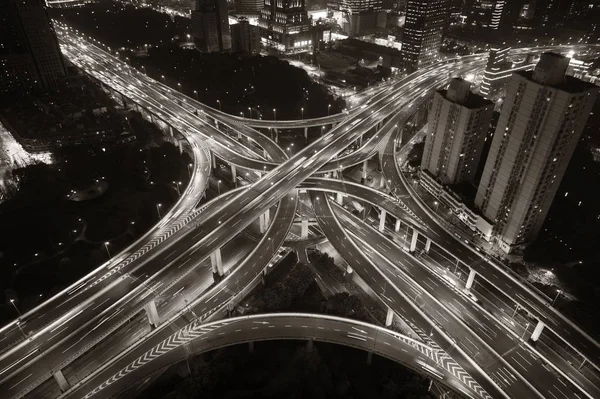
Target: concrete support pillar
{"x": 470, "y": 279}
{"x": 239, "y": 135}
{"x": 427, "y": 245}
{"x": 397, "y": 226}
{"x": 264, "y": 221}
{"x": 360, "y": 140}
{"x": 310, "y": 345}
{"x": 304, "y": 229}
{"x": 61, "y": 380}
{"x": 251, "y": 347}
{"x": 305, "y": 134}
{"x": 537, "y": 331}
{"x": 382, "y": 220}
{"x": 151, "y": 117}
{"x": 364, "y": 172}
{"x": 413, "y": 240}
{"x": 216, "y": 123}
{"x": 339, "y": 198}
{"x": 382, "y": 182}
{"x": 216, "y": 262}
{"x": 389, "y": 318}
{"x": 349, "y": 269}
{"x": 234, "y": 175}
{"x": 369, "y": 358}
{"x": 170, "y": 130}
{"x": 276, "y": 135}
{"x": 152, "y": 313}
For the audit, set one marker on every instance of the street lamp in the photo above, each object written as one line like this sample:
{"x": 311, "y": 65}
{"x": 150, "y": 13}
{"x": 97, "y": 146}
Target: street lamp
{"x": 328, "y": 109}
{"x": 219, "y": 186}
{"x": 275, "y": 113}
{"x": 190, "y": 169}
{"x": 302, "y": 110}
{"x": 179, "y": 84}
{"x": 524, "y": 332}
{"x": 196, "y": 94}
{"x": 106, "y": 247}
{"x": 177, "y": 184}
{"x": 249, "y": 113}
{"x": 15, "y": 306}
{"x": 158, "y": 206}
{"x": 558, "y": 292}
{"x": 220, "y": 109}
{"x": 271, "y": 242}
{"x": 436, "y": 205}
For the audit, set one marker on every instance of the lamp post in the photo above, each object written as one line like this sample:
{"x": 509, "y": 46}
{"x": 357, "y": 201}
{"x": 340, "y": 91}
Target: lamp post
{"x": 190, "y": 169}
{"x": 177, "y": 184}
{"x": 196, "y": 94}
{"x": 106, "y": 247}
{"x": 436, "y": 205}
{"x": 328, "y": 109}
{"x": 158, "y": 206}
{"x": 524, "y": 332}
{"x": 15, "y": 306}
{"x": 219, "y": 102}
{"x": 179, "y": 85}
{"x": 249, "y": 113}
{"x": 558, "y": 292}
{"x": 275, "y": 113}
{"x": 302, "y": 110}
{"x": 219, "y": 186}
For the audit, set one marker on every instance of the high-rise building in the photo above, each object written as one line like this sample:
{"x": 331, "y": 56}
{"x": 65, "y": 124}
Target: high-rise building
{"x": 456, "y": 129}
{"x": 485, "y": 14}
{"x": 248, "y": 7}
{"x": 497, "y": 71}
{"x": 210, "y": 26}
{"x": 285, "y": 25}
{"x": 245, "y": 38}
{"x": 425, "y": 21}
{"x": 360, "y": 16}
{"x": 540, "y": 123}
{"x": 29, "y": 52}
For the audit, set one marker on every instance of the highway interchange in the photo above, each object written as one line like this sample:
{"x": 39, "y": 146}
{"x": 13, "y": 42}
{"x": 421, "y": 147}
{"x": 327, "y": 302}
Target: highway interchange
{"x": 171, "y": 265}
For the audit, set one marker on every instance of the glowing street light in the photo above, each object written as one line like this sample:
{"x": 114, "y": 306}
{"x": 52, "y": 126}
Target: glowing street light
{"x": 328, "y": 109}
{"x": 158, "y": 206}
{"x": 558, "y": 292}
{"x": 218, "y": 101}
{"x": 275, "y": 113}
{"x": 107, "y": 251}
{"x": 219, "y": 186}
{"x": 302, "y": 110}
{"x": 15, "y": 306}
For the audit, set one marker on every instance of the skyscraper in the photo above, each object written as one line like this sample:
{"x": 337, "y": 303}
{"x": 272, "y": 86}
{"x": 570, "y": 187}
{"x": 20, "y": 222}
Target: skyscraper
{"x": 457, "y": 125}
{"x": 245, "y": 38}
{"x": 210, "y": 26}
{"x": 29, "y": 52}
{"x": 497, "y": 71}
{"x": 543, "y": 115}
{"x": 285, "y": 25}
{"x": 248, "y": 7}
{"x": 361, "y": 15}
{"x": 425, "y": 21}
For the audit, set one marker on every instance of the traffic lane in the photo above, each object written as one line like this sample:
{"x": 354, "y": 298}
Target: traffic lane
{"x": 488, "y": 329}
{"x": 57, "y": 348}
{"x": 513, "y": 290}
{"x": 239, "y": 331}
{"x": 251, "y": 267}
{"x": 393, "y": 298}
{"x": 32, "y": 322}
{"x": 95, "y": 292}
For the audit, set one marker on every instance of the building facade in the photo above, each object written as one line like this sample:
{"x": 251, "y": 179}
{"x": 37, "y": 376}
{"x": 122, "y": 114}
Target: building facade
{"x": 540, "y": 124}
{"x": 210, "y": 26}
{"x": 424, "y": 24}
{"x": 456, "y": 130}
{"x": 497, "y": 72}
{"x": 245, "y": 38}
{"x": 248, "y": 7}
{"x": 360, "y": 16}
{"x": 29, "y": 52}
{"x": 285, "y": 26}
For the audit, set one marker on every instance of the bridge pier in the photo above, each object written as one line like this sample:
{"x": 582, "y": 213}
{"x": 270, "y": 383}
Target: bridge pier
{"x": 382, "y": 182}
{"x": 170, "y": 130}
{"x": 310, "y": 345}
{"x": 304, "y": 229}
{"x": 251, "y": 347}
{"x": 276, "y": 135}
{"x": 216, "y": 123}
{"x": 537, "y": 331}
{"x": 427, "y": 245}
{"x": 152, "y": 313}
{"x": 389, "y": 319}
{"x": 233, "y": 175}
{"x": 214, "y": 160}
{"x": 413, "y": 240}
{"x": 363, "y": 178}
{"x": 216, "y": 262}
{"x": 470, "y": 279}
{"x": 306, "y": 134}
{"x": 382, "y": 220}
{"x": 264, "y": 221}
{"x": 397, "y": 226}
{"x": 339, "y": 198}
{"x": 369, "y": 358}
{"x": 61, "y": 380}
{"x": 151, "y": 117}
